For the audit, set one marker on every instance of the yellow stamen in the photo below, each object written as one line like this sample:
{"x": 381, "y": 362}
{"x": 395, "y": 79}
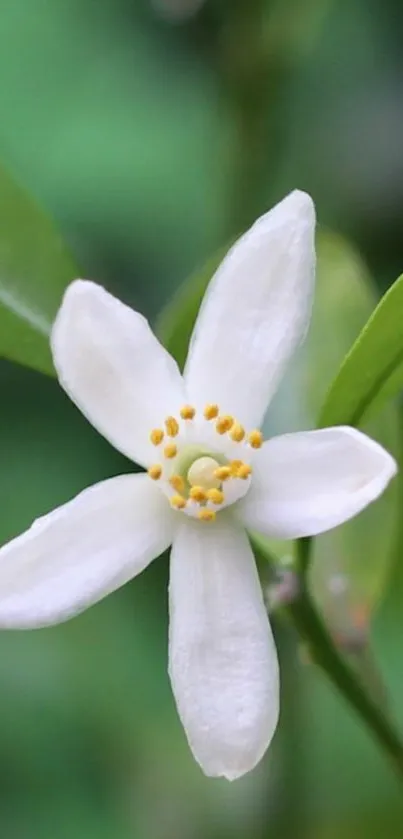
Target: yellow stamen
{"x": 206, "y": 515}
{"x": 155, "y": 472}
{"x": 211, "y": 412}
{"x": 187, "y": 412}
{"x": 255, "y": 439}
{"x": 157, "y": 436}
{"x": 177, "y": 483}
{"x": 178, "y": 502}
{"x": 244, "y": 471}
{"x": 170, "y": 450}
{"x": 223, "y": 473}
{"x": 197, "y": 494}
{"x": 224, "y": 424}
{"x": 235, "y": 465}
{"x": 172, "y": 426}
{"x": 237, "y": 432}
{"x": 215, "y": 495}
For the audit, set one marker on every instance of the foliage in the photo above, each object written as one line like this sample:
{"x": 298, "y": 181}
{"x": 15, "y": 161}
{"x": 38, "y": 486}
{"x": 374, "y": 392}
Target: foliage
{"x": 35, "y": 267}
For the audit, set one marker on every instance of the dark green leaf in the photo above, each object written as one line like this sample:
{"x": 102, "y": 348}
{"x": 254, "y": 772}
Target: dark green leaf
{"x": 372, "y": 371}
{"x": 35, "y": 267}
{"x": 175, "y": 323}
{"x": 351, "y": 564}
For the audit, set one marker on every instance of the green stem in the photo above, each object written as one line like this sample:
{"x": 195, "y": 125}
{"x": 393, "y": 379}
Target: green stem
{"x": 304, "y": 555}
{"x": 311, "y": 628}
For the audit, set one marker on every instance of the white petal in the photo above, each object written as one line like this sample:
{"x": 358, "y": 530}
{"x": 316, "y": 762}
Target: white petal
{"x": 223, "y": 662}
{"x": 255, "y": 312}
{"x": 114, "y": 369}
{"x": 82, "y": 551}
{"x": 306, "y": 483}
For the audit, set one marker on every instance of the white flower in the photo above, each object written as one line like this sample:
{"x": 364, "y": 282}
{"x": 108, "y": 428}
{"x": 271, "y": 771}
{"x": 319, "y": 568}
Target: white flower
{"x": 209, "y": 477}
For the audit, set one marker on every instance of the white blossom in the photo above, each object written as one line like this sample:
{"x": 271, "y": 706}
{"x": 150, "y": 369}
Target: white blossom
{"x": 209, "y": 477}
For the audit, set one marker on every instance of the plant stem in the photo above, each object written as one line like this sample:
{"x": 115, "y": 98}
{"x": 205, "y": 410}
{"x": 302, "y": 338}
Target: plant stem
{"x": 311, "y": 627}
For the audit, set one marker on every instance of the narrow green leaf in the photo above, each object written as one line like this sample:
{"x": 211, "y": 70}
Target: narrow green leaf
{"x": 372, "y": 371}
{"x": 35, "y": 267}
{"x": 350, "y": 565}
{"x": 175, "y": 323}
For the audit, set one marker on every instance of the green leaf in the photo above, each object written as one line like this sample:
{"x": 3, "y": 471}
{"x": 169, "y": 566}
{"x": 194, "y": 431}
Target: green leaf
{"x": 350, "y": 564}
{"x": 35, "y": 267}
{"x": 175, "y": 323}
{"x": 372, "y": 371}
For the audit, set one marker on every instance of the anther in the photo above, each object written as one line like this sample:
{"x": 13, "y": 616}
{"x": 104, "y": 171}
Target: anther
{"x": 197, "y": 494}
{"x": 222, "y": 473}
{"x": 224, "y": 424}
{"x": 177, "y": 483}
{"x": 178, "y": 502}
{"x": 206, "y": 515}
{"x": 215, "y": 495}
{"x": 157, "y": 436}
{"x": 235, "y": 465}
{"x": 155, "y": 472}
{"x": 187, "y": 412}
{"x": 170, "y": 450}
{"x": 172, "y": 426}
{"x": 237, "y": 432}
{"x": 211, "y": 412}
{"x": 255, "y": 439}
{"x": 244, "y": 471}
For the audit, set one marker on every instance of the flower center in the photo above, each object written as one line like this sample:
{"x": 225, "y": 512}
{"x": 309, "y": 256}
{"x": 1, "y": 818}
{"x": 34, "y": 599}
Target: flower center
{"x": 203, "y": 473}
{"x": 205, "y": 464}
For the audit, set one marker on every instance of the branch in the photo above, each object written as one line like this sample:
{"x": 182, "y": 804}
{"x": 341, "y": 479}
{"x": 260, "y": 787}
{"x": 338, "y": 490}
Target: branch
{"x": 312, "y": 629}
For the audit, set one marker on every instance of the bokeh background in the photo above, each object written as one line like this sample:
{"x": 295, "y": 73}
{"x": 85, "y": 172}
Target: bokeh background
{"x": 153, "y": 131}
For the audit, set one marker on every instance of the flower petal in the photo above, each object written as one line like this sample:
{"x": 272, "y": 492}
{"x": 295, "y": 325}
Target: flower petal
{"x": 82, "y": 551}
{"x": 306, "y": 483}
{"x": 255, "y": 312}
{"x": 223, "y": 662}
{"x": 114, "y": 369}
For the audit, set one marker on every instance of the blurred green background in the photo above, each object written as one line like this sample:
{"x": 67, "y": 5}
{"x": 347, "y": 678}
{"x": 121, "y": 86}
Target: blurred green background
{"x": 153, "y": 131}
